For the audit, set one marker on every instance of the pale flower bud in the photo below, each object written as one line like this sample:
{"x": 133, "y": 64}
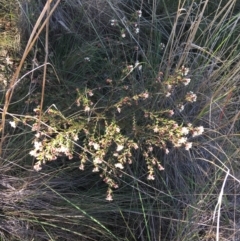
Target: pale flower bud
{"x": 120, "y": 147}
{"x": 119, "y": 165}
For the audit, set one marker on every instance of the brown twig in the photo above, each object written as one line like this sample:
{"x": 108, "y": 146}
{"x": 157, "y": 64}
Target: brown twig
{"x": 45, "y": 67}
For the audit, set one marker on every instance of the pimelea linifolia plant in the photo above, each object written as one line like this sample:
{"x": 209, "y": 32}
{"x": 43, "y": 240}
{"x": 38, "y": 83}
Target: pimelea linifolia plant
{"x": 108, "y": 142}
{"x": 107, "y": 130}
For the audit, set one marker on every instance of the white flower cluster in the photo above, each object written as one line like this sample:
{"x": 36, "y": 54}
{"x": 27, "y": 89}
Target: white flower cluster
{"x": 179, "y": 77}
{"x": 197, "y": 131}
{"x": 114, "y": 22}
{"x": 183, "y": 140}
{"x": 191, "y": 97}
{"x": 139, "y": 13}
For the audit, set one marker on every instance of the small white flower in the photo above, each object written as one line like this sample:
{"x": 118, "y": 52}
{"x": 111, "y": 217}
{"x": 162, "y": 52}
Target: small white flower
{"x": 180, "y": 107}
{"x": 191, "y": 97}
{"x": 156, "y": 129}
{"x": 37, "y": 167}
{"x": 184, "y": 130}
{"x": 81, "y": 167}
{"x": 87, "y": 108}
{"x": 8, "y": 60}
{"x": 117, "y": 129}
{"x": 113, "y": 22}
{"x": 95, "y": 169}
{"x": 137, "y": 65}
{"x": 175, "y": 126}
{"x": 135, "y": 146}
{"x": 63, "y": 149}
{"x": 166, "y": 151}
{"x": 139, "y": 13}
{"x": 188, "y": 145}
{"x": 123, "y": 35}
{"x": 38, "y": 135}
{"x": 70, "y": 156}
{"x": 119, "y": 109}
{"x": 96, "y": 146}
{"x": 184, "y": 71}
{"x": 97, "y": 160}
{"x": 186, "y": 81}
{"x": 168, "y": 94}
{"x": 119, "y": 165}
{"x": 109, "y": 198}
{"x": 119, "y": 147}
{"x": 37, "y": 145}
{"x": 151, "y": 177}
{"x": 170, "y": 113}
{"x": 197, "y": 131}
{"x": 182, "y": 140}
{"x": 87, "y": 59}
{"x": 90, "y": 93}
{"x": 162, "y": 46}
{"x": 145, "y": 95}
{"x": 12, "y": 124}
{"x": 160, "y": 167}
{"x": 33, "y": 153}
{"x": 136, "y": 30}
{"x": 108, "y": 81}
{"x": 75, "y": 137}
{"x": 130, "y": 68}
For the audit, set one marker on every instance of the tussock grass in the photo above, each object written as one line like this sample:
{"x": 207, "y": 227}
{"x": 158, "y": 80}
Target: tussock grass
{"x": 195, "y": 197}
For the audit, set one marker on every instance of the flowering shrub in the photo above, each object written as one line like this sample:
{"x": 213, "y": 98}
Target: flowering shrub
{"x": 108, "y": 129}
{"x": 110, "y": 135}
